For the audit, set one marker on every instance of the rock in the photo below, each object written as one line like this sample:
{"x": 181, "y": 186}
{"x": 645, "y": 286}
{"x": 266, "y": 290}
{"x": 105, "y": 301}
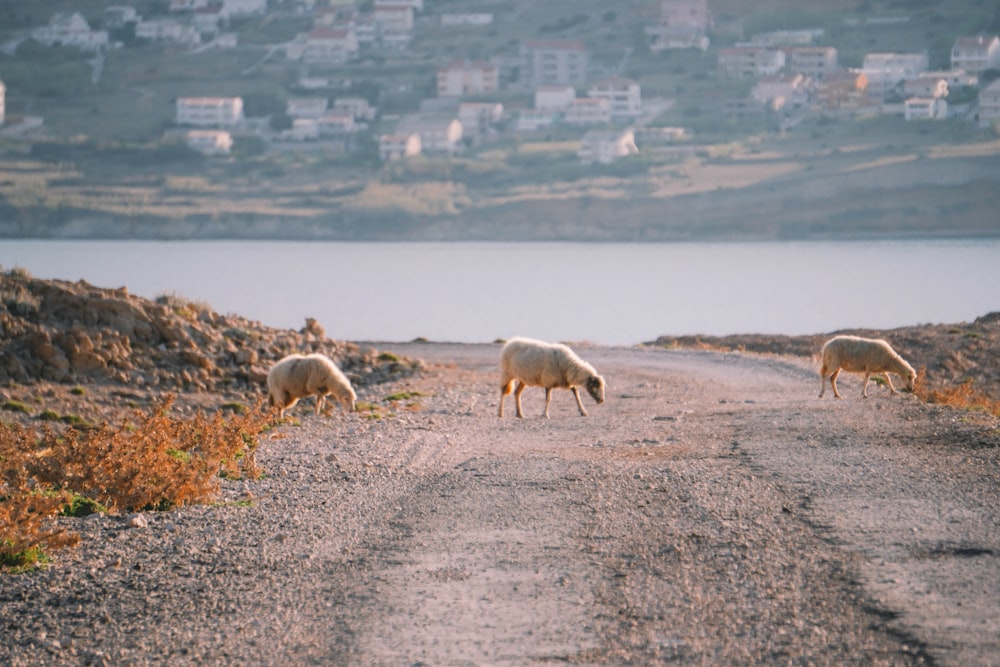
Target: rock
{"x": 138, "y": 521}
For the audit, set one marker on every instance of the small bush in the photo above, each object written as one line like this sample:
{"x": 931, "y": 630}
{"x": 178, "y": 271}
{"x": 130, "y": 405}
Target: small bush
{"x": 16, "y": 406}
{"x": 152, "y": 461}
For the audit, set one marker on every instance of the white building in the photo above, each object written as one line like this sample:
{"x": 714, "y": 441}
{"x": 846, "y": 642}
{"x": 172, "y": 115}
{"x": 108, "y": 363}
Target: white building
{"x": 976, "y": 54}
{"x": 437, "y": 134}
{"x": 117, "y": 16}
{"x": 71, "y": 29}
{"x": 606, "y": 147}
{"x": 394, "y": 25}
{"x": 336, "y": 123}
{"x": 624, "y": 96}
{"x": 398, "y": 146}
{"x": 324, "y": 46}
{"x": 167, "y": 30}
{"x": 925, "y": 86}
{"x": 886, "y": 71}
{"x": 477, "y": 117}
{"x": 927, "y": 108}
{"x": 554, "y": 98}
{"x": 237, "y": 8}
{"x": 209, "y": 142}
{"x": 682, "y": 25}
{"x": 588, "y": 111}
{"x": 553, "y": 62}
{"x": 467, "y": 77}
{"x": 358, "y": 107}
{"x": 815, "y": 62}
{"x": 782, "y": 90}
{"x": 532, "y": 120}
{"x": 210, "y": 111}
{"x": 989, "y": 105}
{"x": 467, "y": 19}
{"x": 306, "y": 107}
{"x": 750, "y": 62}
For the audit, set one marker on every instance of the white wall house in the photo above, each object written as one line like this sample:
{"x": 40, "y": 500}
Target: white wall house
{"x": 549, "y": 62}
{"x": 925, "y": 86}
{"x": 478, "y": 117}
{"x": 394, "y": 24}
{"x": 306, "y": 107}
{"x": 925, "y": 108}
{"x": 624, "y": 96}
{"x": 71, "y": 29}
{"x": 237, "y": 8}
{"x": 358, "y": 107}
{"x": 209, "y": 142}
{"x": 437, "y": 134}
{"x": 606, "y": 147}
{"x": 789, "y": 90}
{"x": 976, "y": 54}
{"x": 554, "y": 98}
{"x": 117, "y": 16}
{"x": 588, "y": 111}
{"x": 749, "y": 62}
{"x": 815, "y": 62}
{"x": 167, "y": 30}
{"x": 324, "y": 46}
{"x": 989, "y": 105}
{"x": 336, "y": 123}
{"x": 398, "y": 146}
{"x": 467, "y": 77}
{"x": 886, "y": 71}
{"x": 210, "y": 111}
{"x": 682, "y": 25}
{"x": 956, "y": 78}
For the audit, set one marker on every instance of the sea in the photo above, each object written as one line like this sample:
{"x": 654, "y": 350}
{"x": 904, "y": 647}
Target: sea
{"x": 608, "y": 294}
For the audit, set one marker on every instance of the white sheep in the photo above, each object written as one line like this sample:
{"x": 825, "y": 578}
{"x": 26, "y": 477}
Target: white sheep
{"x": 297, "y": 376}
{"x": 533, "y": 363}
{"x": 862, "y": 355}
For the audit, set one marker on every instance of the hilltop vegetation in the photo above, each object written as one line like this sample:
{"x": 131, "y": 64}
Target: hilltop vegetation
{"x": 103, "y": 168}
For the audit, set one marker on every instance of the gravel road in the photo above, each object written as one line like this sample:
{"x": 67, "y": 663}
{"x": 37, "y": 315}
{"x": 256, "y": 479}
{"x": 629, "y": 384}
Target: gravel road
{"x": 713, "y": 511}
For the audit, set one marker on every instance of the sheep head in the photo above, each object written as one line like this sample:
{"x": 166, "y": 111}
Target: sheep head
{"x": 595, "y": 387}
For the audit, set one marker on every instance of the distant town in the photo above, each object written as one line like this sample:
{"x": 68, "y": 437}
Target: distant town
{"x": 387, "y": 81}
{"x": 791, "y": 75}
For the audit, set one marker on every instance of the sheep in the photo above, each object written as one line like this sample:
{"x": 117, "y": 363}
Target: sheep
{"x": 862, "y": 355}
{"x": 297, "y": 376}
{"x": 537, "y": 364}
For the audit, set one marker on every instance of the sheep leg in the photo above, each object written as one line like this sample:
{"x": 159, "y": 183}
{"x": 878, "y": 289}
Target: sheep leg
{"x": 548, "y": 399}
{"x": 864, "y": 387}
{"x": 579, "y": 403}
{"x": 888, "y": 381}
{"x": 505, "y": 390}
{"x": 320, "y": 402}
{"x": 833, "y": 383}
{"x": 517, "y": 398}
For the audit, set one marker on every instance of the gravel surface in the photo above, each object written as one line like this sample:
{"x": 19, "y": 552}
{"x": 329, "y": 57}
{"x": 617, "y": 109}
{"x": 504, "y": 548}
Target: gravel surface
{"x": 713, "y": 511}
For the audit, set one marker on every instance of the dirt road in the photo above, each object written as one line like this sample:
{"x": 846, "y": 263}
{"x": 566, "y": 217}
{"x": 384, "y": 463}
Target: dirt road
{"x": 713, "y": 511}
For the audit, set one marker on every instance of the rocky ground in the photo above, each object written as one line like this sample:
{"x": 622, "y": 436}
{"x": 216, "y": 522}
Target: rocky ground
{"x": 712, "y": 511}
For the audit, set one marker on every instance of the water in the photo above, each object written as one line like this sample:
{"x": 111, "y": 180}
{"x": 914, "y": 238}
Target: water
{"x": 603, "y": 293}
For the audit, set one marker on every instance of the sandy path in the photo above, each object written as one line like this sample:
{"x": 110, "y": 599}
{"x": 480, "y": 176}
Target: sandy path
{"x": 712, "y": 511}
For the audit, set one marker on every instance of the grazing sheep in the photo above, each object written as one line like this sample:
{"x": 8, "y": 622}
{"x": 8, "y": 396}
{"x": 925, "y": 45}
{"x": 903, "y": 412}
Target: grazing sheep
{"x": 862, "y": 355}
{"x": 537, "y": 364}
{"x": 297, "y": 376}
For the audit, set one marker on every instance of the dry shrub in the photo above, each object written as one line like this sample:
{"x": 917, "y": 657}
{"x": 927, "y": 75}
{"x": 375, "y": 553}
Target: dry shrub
{"x": 152, "y": 463}
{"x": 963, "y": 395}
{"x": 26, "y": 504}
